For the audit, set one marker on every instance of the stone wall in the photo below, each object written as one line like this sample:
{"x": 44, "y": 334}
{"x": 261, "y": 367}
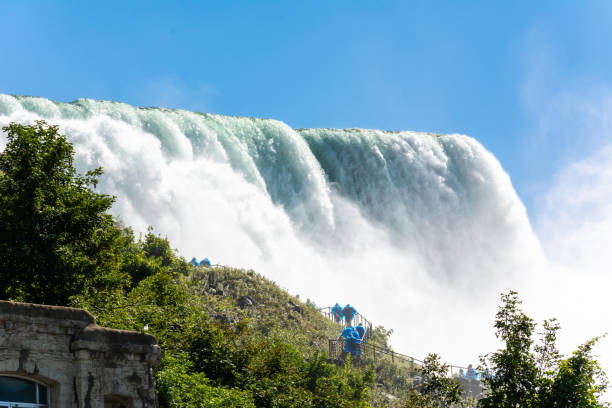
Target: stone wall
{"x": 84, "y": 365}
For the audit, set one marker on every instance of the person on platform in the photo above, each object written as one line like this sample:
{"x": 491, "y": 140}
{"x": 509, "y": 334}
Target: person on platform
{"x": 471, "y": 373}
{"x": 349, "y": 312}
{"x": 351, "y": 340}
{"x": 361, "y": 330}
{"x": 354, "y": 342}
{"x": 347, "y": 333}
{"x": 337, "y": 312}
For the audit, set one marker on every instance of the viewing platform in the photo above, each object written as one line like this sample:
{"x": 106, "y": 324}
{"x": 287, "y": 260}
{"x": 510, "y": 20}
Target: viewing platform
{"x": 369, "y": 353}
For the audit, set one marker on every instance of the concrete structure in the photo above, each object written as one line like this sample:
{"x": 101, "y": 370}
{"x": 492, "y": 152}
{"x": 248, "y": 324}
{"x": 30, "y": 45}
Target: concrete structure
{"x": 58, "y": 357}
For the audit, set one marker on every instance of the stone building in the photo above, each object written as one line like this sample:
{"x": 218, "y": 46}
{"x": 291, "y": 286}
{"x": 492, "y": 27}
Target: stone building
{"x": 58, "y": 357}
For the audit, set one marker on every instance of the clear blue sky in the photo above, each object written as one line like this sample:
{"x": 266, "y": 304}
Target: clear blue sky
{"x": 501, "y": 72}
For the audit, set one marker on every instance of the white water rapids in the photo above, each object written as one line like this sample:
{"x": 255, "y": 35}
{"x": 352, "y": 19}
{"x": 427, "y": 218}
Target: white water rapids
{"x": 420, "y": 232}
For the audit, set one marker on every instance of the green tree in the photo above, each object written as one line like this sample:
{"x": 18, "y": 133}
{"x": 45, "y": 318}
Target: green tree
{"x": 515, "y": 381}
{"x": 579, "y": 381}
{"x": 525, "y": 375}
{"x": 179, "y": 387}
{"x": 547, "y": 359}
{"x": 56, "y": 236}
{"x": 442, "y": 390}
{"x": 437, "y": 390}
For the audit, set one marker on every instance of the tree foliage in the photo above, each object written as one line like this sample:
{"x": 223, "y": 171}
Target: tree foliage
{"x": 56, "y": 236}
{"x": 443, "y": 391}
{"x": 436, "y": 390}
{"x": 537, "y": 376}
{"x": 514, "y": 382}
{"x": 579, "y": 381}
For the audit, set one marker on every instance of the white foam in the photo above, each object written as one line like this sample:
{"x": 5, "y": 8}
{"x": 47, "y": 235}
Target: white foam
{"x": 420, "y": 232}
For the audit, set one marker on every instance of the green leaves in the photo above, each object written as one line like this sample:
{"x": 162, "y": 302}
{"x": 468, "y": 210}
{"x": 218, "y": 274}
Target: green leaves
{"x": 442, "y": 392}
{"x": 579, "y": 381}
{"x": 515, "y": 380}
{"x": 55, "y": 234}
{"x": 229, "y": 362}
{"x": 528, "y": 376}
{"x": 179, "y": 387}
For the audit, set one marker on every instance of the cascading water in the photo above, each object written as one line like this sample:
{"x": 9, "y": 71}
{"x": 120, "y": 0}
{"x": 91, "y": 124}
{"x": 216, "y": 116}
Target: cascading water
{"x": 417, "y": 230}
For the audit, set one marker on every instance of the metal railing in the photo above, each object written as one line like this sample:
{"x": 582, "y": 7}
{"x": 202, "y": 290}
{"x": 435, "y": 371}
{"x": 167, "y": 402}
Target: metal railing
{"x": 370, "y": 352}
{"x": 358, "y": 318}
{"x": 337, "y": 351}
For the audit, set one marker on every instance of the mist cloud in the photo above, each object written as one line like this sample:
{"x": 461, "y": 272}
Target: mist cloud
{"x": 420, "y": 232}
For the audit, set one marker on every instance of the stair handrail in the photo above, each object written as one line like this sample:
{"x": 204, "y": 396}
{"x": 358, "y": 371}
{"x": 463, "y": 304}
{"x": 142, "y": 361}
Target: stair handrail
{"x": 454, "y": 370}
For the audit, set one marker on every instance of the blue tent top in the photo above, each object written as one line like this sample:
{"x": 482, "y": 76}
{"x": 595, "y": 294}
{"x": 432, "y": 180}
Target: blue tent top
{"x": 194, "y": 261}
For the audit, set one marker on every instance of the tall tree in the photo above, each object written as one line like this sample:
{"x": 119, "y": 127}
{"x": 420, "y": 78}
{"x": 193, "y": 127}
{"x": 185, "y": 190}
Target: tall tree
{"x": 515, "y": 381}
{"x": 525, "y": 375}
{"x": 56, "y": 236}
